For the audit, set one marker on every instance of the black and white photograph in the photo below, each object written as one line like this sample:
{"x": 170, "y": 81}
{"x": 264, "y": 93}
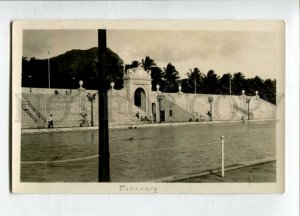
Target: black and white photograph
{"x": 148, "y": 107}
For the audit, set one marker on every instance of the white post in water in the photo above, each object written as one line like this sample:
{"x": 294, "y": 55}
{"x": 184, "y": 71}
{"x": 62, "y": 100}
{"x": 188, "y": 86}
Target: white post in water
{"x": 222, "y": 156}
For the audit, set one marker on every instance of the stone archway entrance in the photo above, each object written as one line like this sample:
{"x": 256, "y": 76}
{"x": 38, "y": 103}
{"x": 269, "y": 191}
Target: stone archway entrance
{"x": 140, "y": 99}
{"x": 137, "y": 85}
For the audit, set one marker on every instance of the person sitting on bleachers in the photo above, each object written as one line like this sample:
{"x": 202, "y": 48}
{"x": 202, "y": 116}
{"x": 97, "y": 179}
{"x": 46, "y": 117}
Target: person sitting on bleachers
{"x": 137, "y": 115}
{"x": 83, "y": 121}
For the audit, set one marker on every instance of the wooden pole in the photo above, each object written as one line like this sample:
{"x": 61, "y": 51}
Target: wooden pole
{"x": 104, "y": 171}
{"x": 49, "y": 70}
{"x": 195, "y": 82}
{"x": 229, "y": 84}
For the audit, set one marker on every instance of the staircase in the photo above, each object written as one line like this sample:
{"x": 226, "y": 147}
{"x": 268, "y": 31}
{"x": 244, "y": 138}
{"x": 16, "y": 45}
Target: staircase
{"x": 33, "y": 114}
{"x": 236, "y": 107}
{"x": 66, "y": 110}
{"x": 122, "y": 111}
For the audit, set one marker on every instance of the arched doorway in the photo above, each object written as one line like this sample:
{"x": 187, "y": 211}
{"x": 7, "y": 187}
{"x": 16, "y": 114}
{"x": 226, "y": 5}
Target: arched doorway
{"x": 140, "y": 98}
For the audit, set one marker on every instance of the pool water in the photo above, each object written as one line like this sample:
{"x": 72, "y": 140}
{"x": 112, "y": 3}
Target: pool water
{"x": 151, "y": 154}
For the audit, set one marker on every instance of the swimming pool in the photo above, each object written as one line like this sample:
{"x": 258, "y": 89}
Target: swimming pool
{"x": 151, "y": 154}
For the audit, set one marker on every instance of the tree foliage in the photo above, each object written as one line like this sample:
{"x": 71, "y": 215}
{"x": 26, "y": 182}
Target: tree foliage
{"x": 67, "y": 69}
{"x": 225, "y": 84}
{"x": 148, "y": 63}
{"x": 213, "y": 84}
{"x": 133, "y": 64}
{"x": 171, "y": 78}
{"x": 238, "y": 83}
{"x": 157, "y": 74}
{"x": 194, "y": 82}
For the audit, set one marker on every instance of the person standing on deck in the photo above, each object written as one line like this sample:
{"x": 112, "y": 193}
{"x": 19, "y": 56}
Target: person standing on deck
{"x": 50, "y": 122}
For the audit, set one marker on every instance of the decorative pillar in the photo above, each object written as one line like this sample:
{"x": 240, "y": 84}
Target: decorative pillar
{"x": 179, "y": 88}
{"x": 243, "y": 94}
{"x": 112, "y": 84}
{"x": 158, "y": 104}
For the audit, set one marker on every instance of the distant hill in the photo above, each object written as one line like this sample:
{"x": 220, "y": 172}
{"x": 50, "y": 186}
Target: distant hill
{"x": 67, "y": 69}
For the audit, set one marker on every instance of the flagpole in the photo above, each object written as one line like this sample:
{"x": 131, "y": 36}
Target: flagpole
{"x": 48, "y": 70}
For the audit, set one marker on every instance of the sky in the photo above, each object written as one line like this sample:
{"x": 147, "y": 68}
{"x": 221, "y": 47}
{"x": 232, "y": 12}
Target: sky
{"x": 254, "y": 53}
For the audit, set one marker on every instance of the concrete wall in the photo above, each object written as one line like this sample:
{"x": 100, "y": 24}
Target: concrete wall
{"x": 66, "y": 109}
{"x": 224, "y": 107}
{"x": 52, "y": 91}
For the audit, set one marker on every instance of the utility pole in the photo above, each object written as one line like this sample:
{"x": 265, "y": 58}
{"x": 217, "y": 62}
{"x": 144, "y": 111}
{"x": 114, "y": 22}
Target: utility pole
{"x": 104, "y": 169}
{"x": 229, "y": 83}
{"x": 48, "y": 70}
{"x": 195, "y": 82}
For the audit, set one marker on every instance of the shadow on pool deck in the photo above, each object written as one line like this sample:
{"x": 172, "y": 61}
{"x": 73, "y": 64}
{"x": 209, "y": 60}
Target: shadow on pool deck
{"x": 260, "y": 173}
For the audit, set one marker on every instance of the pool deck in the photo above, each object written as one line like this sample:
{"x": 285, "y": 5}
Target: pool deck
{"x": 133, "y": 126}
{"x": 252, "y": 172}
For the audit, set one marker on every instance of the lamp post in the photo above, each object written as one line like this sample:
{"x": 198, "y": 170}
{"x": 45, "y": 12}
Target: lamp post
{"x": 248, "y": 102}
{"x": 210, "y": 100}
{"x": 73, "y": 83}
{"x": 91, "y": 98}
{"x": 159, "y": 98}
{"x": 30, "y": 84}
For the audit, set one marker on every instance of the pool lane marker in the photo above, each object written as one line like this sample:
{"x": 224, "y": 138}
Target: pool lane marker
{"x": 60, "y": 161}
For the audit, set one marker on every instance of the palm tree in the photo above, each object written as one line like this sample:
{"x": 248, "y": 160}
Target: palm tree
{"x": 133, "y": 64}
{"x": 157, "y": 74}
{"x": 225, "y": 84}
{"x": 269, "y": 90}
{"x": 211, "y": 83}
{"x": 238, "y": 82}
{"x": 171, "y": 77}
{"x": 195, "y": 80}
{"x": 148, "y": 63}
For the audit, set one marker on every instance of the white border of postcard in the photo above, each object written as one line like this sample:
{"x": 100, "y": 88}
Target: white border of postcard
{"x": 21, "y": 187}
